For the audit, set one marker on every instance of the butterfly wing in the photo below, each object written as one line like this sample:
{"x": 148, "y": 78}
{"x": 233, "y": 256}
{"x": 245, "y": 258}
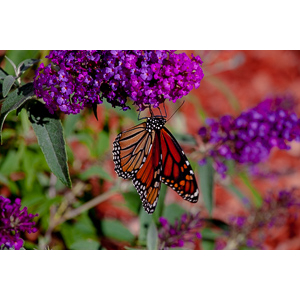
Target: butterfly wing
{"x": 131, "y": 149}
{"x": 176, "y": 169}
{"x": 147, "y": 180}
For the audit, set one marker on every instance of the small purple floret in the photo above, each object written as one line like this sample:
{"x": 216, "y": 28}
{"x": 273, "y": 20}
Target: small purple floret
{"x": 14, "y": 221}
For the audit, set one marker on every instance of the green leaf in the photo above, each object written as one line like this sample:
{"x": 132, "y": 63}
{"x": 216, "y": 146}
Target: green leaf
{"x": 206, "y": 173}
{"x": 87, "y": 139}
{"x": 208, "y": 245}
{"x": 7, "y": 84}
{"x": 3, "y": 74}
{"x": 26, "y": 64}
{"x": 49, "y": 132}
{"x": 30, "y": 163}
{"x": 208, "y": 238}
{"x": 133, "y": 201}
{"x": 80, "y": 234}
{"x": 258, "y": 200}
{"x": 185, "y": 139}
{"x": 208, "y": 234}
{"x": 13, "y": 64}
{"x": 18, "y": 56}
{"x": 152, "y": 237}
{"x": 114, "y": 229}
{"x": 85, "y": 245}
{"x": 145, "y": 220}
{"x": 95, "y": 171}
{"x": 30, "y": 246}
{"x": 102, "y": 144}
{"x": 131, "y": 248}
{"x": 69, "y": 124}
{"x": 10, "y": 164}
{"x": 3, "y": 179}
{"x": 44, "y": 206}
{"x": 235, "y": 191}
{"x": 14, "y": 100}
{"x": 160, "y": 204}
{"x": 130, "y": 113}
{"x": 173, "y": 212}
{"x": 225, "y": 90}
{"x": 217, "y": 223}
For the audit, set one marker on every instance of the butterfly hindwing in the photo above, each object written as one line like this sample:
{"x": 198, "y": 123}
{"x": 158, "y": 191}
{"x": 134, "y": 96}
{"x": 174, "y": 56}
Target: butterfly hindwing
{"x": 176, "y": 169}
{"x": 148, "y": 179}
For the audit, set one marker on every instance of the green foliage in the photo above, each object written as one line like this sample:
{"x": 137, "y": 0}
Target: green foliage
{"x": 152, "y": 237}
{"x": 18, "y": 56}
{"x": 7, "y": 85}
{"x": 49, "y": 132}
{"x": 95, "y": 171}
{"x": 256, "y": 195}
{"x": 206, "y": 173}
{"x": 133, "y": 201}
{"x": 80, "y": 234}
{"x": 160, "y": 204}
{"x": 173, "y": 212}
{"x": 145, "y": 221}
{"x": 25, "y": 65}
{"x": 14, "y": 100}
{"x": 114, "y": 229}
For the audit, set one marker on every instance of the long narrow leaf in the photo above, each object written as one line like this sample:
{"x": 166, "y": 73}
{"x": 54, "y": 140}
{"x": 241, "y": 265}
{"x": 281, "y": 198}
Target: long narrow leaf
{"x": 152, "y": 237}
{"x": 49, "y": 132}
{"x": 206, "y": 173}
{"x": 160, "y": 204}
{"x": 145, "y": 221}
{"x": 256, "y": 195}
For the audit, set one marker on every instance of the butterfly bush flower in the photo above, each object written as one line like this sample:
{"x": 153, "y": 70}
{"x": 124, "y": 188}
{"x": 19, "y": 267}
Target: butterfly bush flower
{"x": 252, "y": 229}
{"x": 78, "y": 79}
{"x": 184, "y": 231}
{"x": 249, "y": 138}
{"x": 14, "y": 221}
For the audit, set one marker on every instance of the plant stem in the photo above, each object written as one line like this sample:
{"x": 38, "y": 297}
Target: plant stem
{"x": 86, "y": 206}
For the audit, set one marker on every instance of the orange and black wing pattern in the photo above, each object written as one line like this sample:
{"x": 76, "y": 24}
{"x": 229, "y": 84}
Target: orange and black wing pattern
{"x": 131, "y": 149}
{"x": 176, "y": 169}
{"x": 149, "y": 155}
{"x": 147, "y": 180}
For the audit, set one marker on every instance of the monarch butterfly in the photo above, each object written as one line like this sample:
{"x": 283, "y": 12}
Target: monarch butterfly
{"x": 150, "y": 155}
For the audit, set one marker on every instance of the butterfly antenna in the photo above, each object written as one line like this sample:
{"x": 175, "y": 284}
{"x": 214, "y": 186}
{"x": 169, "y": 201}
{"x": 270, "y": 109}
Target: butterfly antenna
{"x": 140, "y": 110}
{"x": 165, "y": 110}
{"x": 150, "y": 110}
{"x": 176, "y": 110}
{"x": 139, "y": 114}
{"x": 160, "y": 111}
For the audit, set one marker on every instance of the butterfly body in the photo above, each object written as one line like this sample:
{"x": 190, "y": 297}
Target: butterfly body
{"x": 149, "y": 155}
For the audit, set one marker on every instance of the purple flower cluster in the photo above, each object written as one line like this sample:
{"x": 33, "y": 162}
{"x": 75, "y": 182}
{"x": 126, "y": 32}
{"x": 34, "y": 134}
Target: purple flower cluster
{"x": 78, "y": 79}
{"x": 250, "y": 137}
{"x": 183, "y": 231}
{"x": 13, "y": 221}
{"x": 251, "y": 230}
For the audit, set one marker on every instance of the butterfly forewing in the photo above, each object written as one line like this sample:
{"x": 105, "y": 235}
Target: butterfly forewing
{"x": 130, "y": 150}
{"x": 176, "y": 169}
